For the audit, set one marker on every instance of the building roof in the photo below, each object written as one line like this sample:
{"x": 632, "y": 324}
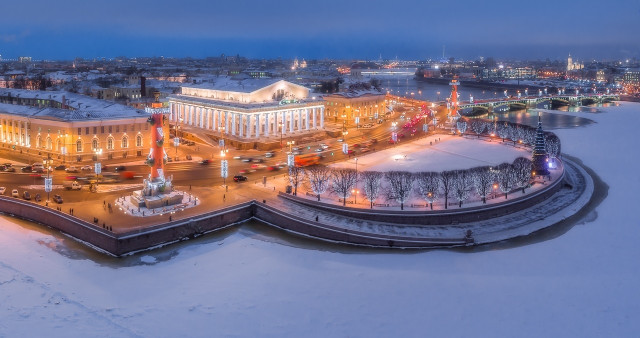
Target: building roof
{"x": 81, "y": 107}
{"x": 229, "y": 84}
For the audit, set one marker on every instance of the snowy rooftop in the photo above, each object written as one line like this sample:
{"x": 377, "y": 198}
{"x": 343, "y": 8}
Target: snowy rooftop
{"x": 235, "y": 85}
{"x": 82, "y": 107}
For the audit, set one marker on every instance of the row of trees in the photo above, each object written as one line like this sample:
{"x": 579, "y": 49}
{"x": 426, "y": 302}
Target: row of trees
{"x": 513, "y": 132}
{"x": 400, "y": 186}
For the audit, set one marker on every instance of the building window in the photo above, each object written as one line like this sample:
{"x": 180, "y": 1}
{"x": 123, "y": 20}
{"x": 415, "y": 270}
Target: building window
{"x": 117, "y": 129}
{"x": 125, "y": 128}
{"x": 101, "y": 129}
{"x": 79, "y": 146}
{"x": 79, "y": 131}
{"x": 139, "y": 140}
{"x": 86, "y": 130}
{"x": 110, "y": 143}
{"x": 125, "y": 142}
{"x": 110, "y": 129}
{"x": 49, "y": 143}
{"x": 94, "y": 144}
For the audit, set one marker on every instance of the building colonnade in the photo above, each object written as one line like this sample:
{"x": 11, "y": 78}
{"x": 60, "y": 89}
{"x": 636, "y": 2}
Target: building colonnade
{"x": 249, "y": 125}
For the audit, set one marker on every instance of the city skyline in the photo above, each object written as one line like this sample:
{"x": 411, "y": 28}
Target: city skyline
{"x": 357, "y": 29}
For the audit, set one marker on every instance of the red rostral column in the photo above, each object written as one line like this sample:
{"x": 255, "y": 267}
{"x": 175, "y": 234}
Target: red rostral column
{"x": 157, "y": 141}
{"x": 454, "y": 96}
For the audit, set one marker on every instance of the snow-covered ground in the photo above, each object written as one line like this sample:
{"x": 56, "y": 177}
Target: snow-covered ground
{"x": 251, "y": 282}
{"x": 450, "y": 153}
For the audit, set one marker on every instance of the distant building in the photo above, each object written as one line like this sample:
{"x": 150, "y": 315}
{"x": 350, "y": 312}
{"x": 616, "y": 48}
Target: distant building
{"x": 632, "y": 76}
{"x": 23, "y": 59}
{"x": 571, "y": 65}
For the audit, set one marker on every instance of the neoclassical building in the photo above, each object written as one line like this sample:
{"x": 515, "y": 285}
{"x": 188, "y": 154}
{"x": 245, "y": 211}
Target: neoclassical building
{"x": 70, "y": 127}
{"x": 248, "y": 109}
{"x": 346, "y": 106}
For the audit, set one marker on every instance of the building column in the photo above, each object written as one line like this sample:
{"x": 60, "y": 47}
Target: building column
{"x": 218, "y": 122}
{"x": 241, "y": 124}
{"x": 249, "y": 125}
{"x": 306, "y": 120}
{"x": 299, "y": 119}
{"x": 291, "y": 121}
{"x": 267, "y": 124}
{"x": 207, "y": 116}
{"x": 258, "y": 125}
{"x": 233, "y": 124}
{"x": 322, "y": 117}
{"x": 283, "y": 120}
{"x": 314, "y": 118}
{"x": 227, "y": 121}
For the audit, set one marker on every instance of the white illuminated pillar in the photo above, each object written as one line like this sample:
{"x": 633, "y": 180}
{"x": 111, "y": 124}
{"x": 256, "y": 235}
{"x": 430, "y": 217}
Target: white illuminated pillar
{"x": 306, "y": 120}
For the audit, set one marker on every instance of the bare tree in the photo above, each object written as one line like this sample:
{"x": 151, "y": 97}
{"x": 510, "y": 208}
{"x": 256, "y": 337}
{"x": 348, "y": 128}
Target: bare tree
{"x": 478, "y": 126}
{"x": 483, "y": 178}
{"x": 462, "y": 184}
{"x": 462, "y": 126}
{"x": 522, "y": 167}
{"x": 446, "y": 184}
{"x": 371, "y": 181}
{"x": 319, "y": 177}
{"x": 400, "y": 186}
{"x": 343, "y": 180}
{"x": 552, "y": 145}
{"x": 428, "y": 184}
{"x": 296, "y": 176}
{"x": 506, "y": 178}
{"x": 503, "y": 131}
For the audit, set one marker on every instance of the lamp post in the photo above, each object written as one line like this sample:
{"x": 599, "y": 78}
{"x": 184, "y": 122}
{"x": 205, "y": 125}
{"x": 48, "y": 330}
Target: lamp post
{"x": 97, "y": 166}
{"x": 280, "y": 124}
{"x": 224, "y": 169}
{"x": 354, "y": 196}
{"x": 48, "y": 183}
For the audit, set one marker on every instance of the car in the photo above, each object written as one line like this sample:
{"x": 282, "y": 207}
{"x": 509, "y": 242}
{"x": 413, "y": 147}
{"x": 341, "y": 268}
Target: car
{"x": 247, "y": 159}
{"x": 319, "y": 150}
{"x": 391, "y": 141}
{"x": 37, "y": 170}
{"x": 340, "y": 140}
{"x": 37, "y": 198}
{"x": 237, "y": 157}
{"x": 324, "y": 146}
{"x": 239, "y": 178}
{"x": 57, "y": 198}
{"x": 2, "y": 190}
{"x": 86, "y": 168}
{"x": 26, "y": 195}
{"x": 243, "y": 171}
{"x": 205, "y": 161}
{"x": 269, "y": 154}
{"x": 296, "y": 153}
{"x": 8, "y": 164}
{"x": 120, "y": 168}
{"x": 357, "y": 145}
{"x": 2, "y": 167}
{"x": 295, "y": 148}
{"x": 169, "y": 159}
{"x": 14, "y": 193}
{"x": 350, "y": 152}
{"x": 365, "y": 150}
{"x": 10, "y": 170}
{"x": 258, "y": 166}
{"x": 257, "y": 160}
{"x": 26, "y": 169}
{"x": 72, "y": 169}
{"x": 273, "y": 168}
{"x": 60, "y": 167}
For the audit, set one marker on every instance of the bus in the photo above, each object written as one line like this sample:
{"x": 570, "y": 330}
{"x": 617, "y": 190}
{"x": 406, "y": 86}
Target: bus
{"x": 306, "y": 160}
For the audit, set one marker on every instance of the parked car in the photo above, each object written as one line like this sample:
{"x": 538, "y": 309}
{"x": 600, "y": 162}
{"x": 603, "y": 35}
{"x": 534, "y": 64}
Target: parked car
{"x": 26, "y": 169}
{"x": 239, "y": 178}
{"x": 72, "y": 169}
{"x": 2, "y": 190}
{"x": 324, "y": 146}
{"x": 60, "y": 167}
{"x": 14, "y": 193}
{"x": 10, "y": 170}
{"x": 71, "y": 185}
{"x": 37, "y": 170}
{"x": 8, "y": 164}
{"x": 57, "y": 198}
{"x": 26, "y": 195}
{"x": 2, "y": 167}
{"x": 37, "y": 198}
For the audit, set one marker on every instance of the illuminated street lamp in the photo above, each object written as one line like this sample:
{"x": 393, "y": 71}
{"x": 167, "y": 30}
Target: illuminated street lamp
{"x": 224, "y": 169}
{"x": 97, "y": 166}
{"x": 48, "y": 184}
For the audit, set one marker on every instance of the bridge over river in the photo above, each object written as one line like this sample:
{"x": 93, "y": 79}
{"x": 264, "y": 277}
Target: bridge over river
{"x": 540, "y": 102}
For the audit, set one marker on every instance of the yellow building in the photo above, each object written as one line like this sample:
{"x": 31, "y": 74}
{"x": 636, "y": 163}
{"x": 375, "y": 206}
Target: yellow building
{"x": 70, "y": 127}
{"x": 345, "y": 107}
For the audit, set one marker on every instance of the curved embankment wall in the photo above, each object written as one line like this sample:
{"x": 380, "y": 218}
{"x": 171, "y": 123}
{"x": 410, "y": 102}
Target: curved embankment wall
{"x": 137, "y": 240}
{"x": 437, "y": 217}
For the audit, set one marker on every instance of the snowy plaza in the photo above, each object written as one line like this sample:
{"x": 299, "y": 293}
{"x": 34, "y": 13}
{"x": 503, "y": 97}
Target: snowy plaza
{"x": 577, "y": 280}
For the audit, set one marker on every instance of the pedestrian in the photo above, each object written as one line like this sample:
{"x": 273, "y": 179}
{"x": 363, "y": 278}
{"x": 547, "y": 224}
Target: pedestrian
{"x": 189, "y": 187}
{"x": 316, "y": 218}
{"x": 224, "y": 197}
{"x": 169, "y": 218}
{"x": 103, "y": 225}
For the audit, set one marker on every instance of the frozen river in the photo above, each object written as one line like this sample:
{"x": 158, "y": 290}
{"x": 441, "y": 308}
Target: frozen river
{"x": 253, "y": 281}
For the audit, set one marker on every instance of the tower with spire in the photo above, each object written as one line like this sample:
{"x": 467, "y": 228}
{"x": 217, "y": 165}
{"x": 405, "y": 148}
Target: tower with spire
{"x": 540, "y": 157}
